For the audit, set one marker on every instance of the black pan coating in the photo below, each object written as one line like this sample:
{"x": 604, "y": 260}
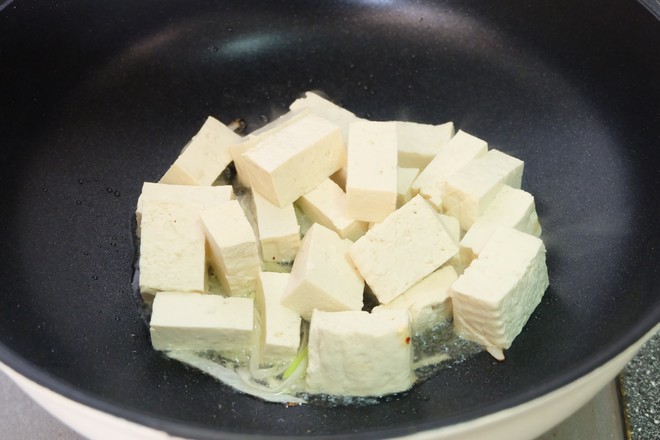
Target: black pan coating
{"x": 97, "y": 97}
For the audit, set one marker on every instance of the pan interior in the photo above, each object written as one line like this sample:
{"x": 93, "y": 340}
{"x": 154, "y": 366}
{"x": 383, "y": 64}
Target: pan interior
{"x": 96, "y": 100}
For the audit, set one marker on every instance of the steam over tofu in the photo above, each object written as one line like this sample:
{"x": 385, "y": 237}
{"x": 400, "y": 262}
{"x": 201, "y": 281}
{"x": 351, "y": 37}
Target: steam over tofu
{"x": 360, "y": 354}
{"x": 232, "y": 248}
{"x": 371, "y": 184}
{"x": 172, "y": 256}
{"x": 326, "y": 205}
{"x": 408, "y": 245}
{"x": 451, "y": 157}
{"x": 192, "y": 321}
{"x": 279, "y": 232}
{"x": 280, "y": 326}
{"x": 322, "y": 276}
{"x": 418, "y": 144}
{"x": 469, "y": 191}
{"x": 294, "y": 160}
{"x": 205, "y": 157}
{"x": 498, "y": 292}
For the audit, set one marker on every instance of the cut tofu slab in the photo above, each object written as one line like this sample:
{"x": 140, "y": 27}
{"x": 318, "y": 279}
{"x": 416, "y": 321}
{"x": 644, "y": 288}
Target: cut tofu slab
{"x": 251, "y": 140}
{"x": 232, "y": 248}
{"x": 427, "y": 301}
{"x": 322, "y": 276}
{"x": 511, "y": 207}
{"x": 371, "y": 184}
{"x": 279, "y": 325}
{"x": 451, "y": 157}
{"x": 172, "y": 249}
{"x": 193, "y": 321}
{"x": 418, "y": 143}
{"x": 359, "y": 354}
{"x": 408, "y": 245}
{"x": 326, "y": 204}
{"x": 279, "y": 232}
{"x": 498, "y": 292}
{"x": 205, "y": 157}
{"x": 207, "y": 196}
{"x": 404, "y": 179}
{"x": 296, "y": 159}
{"x": 470, "y": 190}
{"x": 326, "y": 109}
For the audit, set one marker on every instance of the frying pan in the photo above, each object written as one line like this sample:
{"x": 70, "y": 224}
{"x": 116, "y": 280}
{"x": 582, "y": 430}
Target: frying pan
{"x": 97, "y": 97}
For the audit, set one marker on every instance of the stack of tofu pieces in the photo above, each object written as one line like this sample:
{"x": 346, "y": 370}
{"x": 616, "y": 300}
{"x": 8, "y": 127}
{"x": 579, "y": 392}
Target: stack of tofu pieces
{"x": 432, "y": 221}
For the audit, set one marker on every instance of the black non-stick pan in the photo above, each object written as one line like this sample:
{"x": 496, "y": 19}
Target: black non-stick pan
{"x": 97, "y": 97}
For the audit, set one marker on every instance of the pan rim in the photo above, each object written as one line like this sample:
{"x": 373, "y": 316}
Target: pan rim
{"x": 195, "y": 431}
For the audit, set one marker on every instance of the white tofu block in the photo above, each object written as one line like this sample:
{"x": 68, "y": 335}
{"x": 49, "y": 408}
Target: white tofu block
{"x": 322, "y": 276}
{"x": 511, "y": 207}
{"x": 193, "y": 321}
{"x": 360, "y": 354}
{"x": 232, "y": 248}
{"x": 454, "y": 230}
{"x": 251, "y": 140}
{"x": 279, "y": 233}
{"x": 498, "y": 292}
{"x": 280, "y": 326}
{"x": 371, "y": 184}
{"x": 407, "y": 246}
{"x": 326, "y": 204}
{"x": 470, "y": 190}
{"x": 205, "y": 157}
{"x": 404, "y": 179}
{"x": 207, "y": 196}
{"x": 327, "y": 110}
{"x": 296, "y": 159}
{"x": 451, "y": 157}
{"x": 172, "y": 250}
{"x": 419, "y": 143}
{"x": 333, "y": 113}
{"x": 427, "y": 301}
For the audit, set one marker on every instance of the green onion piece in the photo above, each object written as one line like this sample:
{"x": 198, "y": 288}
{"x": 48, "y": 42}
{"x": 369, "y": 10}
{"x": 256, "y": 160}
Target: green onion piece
{"x": 295, "y": 363}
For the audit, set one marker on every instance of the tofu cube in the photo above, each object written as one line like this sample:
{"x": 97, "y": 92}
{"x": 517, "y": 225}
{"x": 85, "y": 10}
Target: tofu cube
{"x": 451, "y": 157}
{"x": 172, "y": 250}
{"x": 404, "y": 179}
{"x": 418, "y": 143}
{"x": 192, "y": 321}
{"x": 279, "y": 325}
{"x": 208, "y": 196}
{"x": 279, "y": 232}
{"x": 497, "y": 293}
{"x": 470, "y": 190}
{"x": 232, "y": 247}
{"x": 357, "y": 353}
{"x": 407, "y": 246}
{"x": 511, "y": 207}
{"x": 251, "y": 141}
{"x": 326, "y": 204}
{"x": 326, "y": 109}
{"x": 371, "y": 184}
{"x": 296, "y": 159}
{"x": 205, "y": 157}
{"x": 322, "y": 276}
{"x": 427, "y": 302}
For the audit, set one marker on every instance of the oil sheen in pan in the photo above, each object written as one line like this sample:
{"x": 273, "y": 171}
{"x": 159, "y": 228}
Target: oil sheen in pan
{"x": 437, "y": 348}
